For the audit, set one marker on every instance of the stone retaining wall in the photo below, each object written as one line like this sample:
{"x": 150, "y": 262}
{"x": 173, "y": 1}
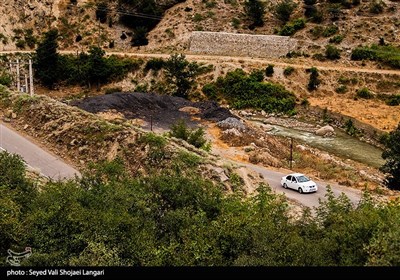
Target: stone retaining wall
{"x": 233, "y": 44}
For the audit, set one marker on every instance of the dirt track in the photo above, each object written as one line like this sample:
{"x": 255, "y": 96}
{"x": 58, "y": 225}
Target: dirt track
{"x": 238, "y": 59}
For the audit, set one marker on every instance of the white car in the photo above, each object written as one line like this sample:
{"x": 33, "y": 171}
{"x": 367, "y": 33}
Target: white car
{"x": 299, "y": 182}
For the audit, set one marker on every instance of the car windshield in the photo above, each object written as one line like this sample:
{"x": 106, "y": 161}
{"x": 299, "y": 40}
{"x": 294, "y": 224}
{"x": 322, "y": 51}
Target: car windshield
{"x": 302, "y": 179}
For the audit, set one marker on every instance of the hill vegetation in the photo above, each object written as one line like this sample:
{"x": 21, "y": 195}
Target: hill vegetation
{"x": 174, "y": 217}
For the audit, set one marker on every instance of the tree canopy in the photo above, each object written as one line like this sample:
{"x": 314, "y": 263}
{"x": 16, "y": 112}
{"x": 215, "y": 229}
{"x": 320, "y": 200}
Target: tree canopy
{"x": 392, "y": 156}
{"x": 175, "y": 217}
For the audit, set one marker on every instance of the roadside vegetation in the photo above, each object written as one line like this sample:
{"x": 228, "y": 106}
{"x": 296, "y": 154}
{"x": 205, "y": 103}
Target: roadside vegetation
{"x": 175, "y": 217}
{"x": 242, "y": 90}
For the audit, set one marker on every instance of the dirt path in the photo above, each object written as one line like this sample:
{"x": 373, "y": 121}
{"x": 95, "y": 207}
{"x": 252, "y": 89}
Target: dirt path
{"x": 240, "y": 60}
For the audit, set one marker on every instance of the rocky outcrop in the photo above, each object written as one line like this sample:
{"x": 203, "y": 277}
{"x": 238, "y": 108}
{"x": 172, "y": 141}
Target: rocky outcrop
{"x": 325, "y": 131}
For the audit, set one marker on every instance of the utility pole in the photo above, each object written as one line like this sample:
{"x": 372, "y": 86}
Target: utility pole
{"x": 18, "y": 78}
{"x": 12, "y": 73}
{"x": 31, "y": 90}
{"x": 26, "y": 84}
{"x": 291, "y": 152}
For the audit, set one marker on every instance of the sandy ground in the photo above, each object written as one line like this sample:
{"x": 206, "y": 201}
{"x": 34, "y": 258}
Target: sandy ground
{"x": 372, "y": 112}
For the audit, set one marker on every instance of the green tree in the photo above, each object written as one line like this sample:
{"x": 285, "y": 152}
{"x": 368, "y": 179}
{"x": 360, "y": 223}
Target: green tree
{"x": 46, "y": 59}
{"x": 392, "y": 156}
{"x": 283, "y": 10}
{"x": 98, "y": 70}
{"x": 314, "y": 81}
{"x": 255, "y": 11}
{"x": 181, "y": 74}
{"x": 269, "y": 71}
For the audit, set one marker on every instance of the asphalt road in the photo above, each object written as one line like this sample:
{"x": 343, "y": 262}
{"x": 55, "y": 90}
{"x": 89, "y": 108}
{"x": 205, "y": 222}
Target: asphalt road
{"x": 311, "y": 200}
{"x": 34, "y": 156}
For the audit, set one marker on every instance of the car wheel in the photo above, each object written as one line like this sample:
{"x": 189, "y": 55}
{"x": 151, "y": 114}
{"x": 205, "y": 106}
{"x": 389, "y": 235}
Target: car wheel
{"x": 300, "y": 190}
{"x": 284, "y": 186}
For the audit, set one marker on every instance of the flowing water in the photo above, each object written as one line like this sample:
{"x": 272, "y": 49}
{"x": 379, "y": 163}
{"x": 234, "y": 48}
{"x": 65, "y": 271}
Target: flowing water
{"x": 342, "y": 145}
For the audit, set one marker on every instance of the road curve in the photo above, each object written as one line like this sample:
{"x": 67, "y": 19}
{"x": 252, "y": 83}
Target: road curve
{"x": 34, "y": 156}
{"x": 311, "y": 200}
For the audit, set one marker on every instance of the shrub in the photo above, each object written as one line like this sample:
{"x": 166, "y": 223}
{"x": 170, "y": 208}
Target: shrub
{"x": 235, "y": 23}
{"x": 5, "y": 79}
{"x": 269, "y": 71}
{"x": 337, "y": 39}
{"x": 364, "y": 93}
{"x": 197, "y": 17}
{"x": 350, "y": 128}
{"x": 304, "y": 102}
{"x": 255, "y": 11}
{"x": 314, "y": 81}
{"x": 211, "y": 4}
{"x": 194, "y": 137}
{"x": 330, "y": 30}
{"x": 288, "y": 71}
{"x": 341, "y": 89}
{"x": 211, "y": 91}
{"x": 361, "y": 53}
{"x": 292, "y": 27}
{"x": 332, "y": 53}
{"x": 386, "y": 54}
{"x": 154, "y": 64}
{"x": 393, "y": 100}
{"x": 20, "y": 44}
{"x": 376, "y": 6}
{"x": 283, "y": 10}
{"x": 247, "y": 91}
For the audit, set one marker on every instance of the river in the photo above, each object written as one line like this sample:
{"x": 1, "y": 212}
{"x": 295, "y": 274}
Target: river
{"x": 342, "y": 145}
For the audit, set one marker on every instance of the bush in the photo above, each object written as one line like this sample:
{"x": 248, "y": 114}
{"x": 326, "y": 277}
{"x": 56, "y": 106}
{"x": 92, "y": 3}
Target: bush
{"x": 235, "y": 23}
{"x": 336, "y": 39}
{"x": 314, "y": 81}
{"x": 283, "y": 10}
{"x": 288, "y": 71}
{"x": 393, "y": 100}
{"x": 350, "y": 128}
{"x": 364, "y": 93}
{"x": 330, "y": 30}
{"x": 154, "y": 64}
{"x": 332, "y": 53}
{"x": 341, "y": 89}
{"x": 247, "y": 91}
{"x": 269, "y": 71}
{"x": 386, "y": 54}
{"x": 194, "y": 137}
{"x": 255, "y": 11}
{"x": 361, "y": 53}
{"x": 5, "y": 79}
{"x": 292, "y": 27}
{"x": 376, "y": 6}
{"x": 211, "y": 91}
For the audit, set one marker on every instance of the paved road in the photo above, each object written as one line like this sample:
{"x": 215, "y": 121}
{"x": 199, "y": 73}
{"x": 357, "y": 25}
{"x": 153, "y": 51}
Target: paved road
{"x": 312, "y": 199}
{"x": 35, "y": 157}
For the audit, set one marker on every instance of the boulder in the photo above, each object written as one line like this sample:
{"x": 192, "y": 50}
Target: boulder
{"x": 325, "y": 130}
{"x": 230, "y": 123}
